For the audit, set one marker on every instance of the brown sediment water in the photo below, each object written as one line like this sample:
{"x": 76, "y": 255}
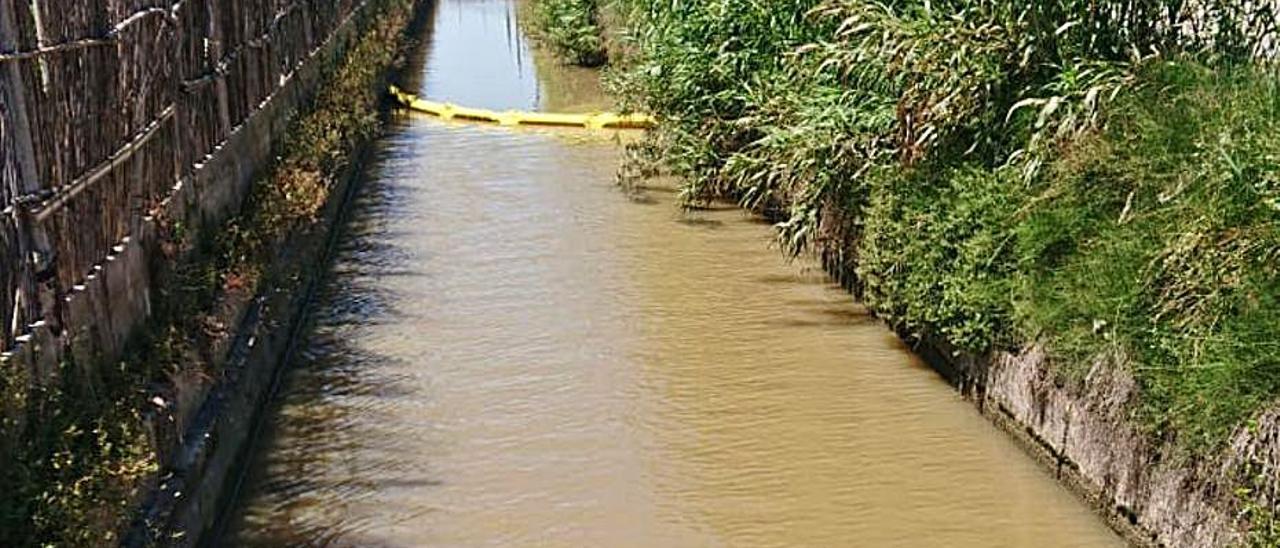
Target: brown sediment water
{"x": 511, "y": 351}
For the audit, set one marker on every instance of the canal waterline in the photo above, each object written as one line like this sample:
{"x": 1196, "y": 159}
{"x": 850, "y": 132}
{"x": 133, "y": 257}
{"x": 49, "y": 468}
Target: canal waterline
{"x": 511, "y": 351}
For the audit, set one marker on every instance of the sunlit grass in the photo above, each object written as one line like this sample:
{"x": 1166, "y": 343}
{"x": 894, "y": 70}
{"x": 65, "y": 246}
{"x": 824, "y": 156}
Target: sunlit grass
{"x": 1075, "y": 174}
{"x": 571, "y": 28}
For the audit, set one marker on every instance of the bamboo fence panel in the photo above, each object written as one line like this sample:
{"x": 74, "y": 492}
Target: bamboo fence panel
{"x": 124, "y": 98}
{"x": 10, "y": 255}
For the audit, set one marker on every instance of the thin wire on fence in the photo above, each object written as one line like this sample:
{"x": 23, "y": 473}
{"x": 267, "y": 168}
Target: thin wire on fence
{"x": 121, "y": 99}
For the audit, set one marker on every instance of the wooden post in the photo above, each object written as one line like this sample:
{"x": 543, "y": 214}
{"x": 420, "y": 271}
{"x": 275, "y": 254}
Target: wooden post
{"x": 14, "y": 95}
{"x": 214, "y": 31}
{"x": 33, "y": 242}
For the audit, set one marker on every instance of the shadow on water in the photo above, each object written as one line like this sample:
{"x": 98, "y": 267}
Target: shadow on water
{"x": 700, "y": 223}
{"x": 643, "y": 199}
{"x": 825, "y": 316}
{"x": 328, "y": 365}
{"x": 670, "y": 190}
{"x": 331, "y": 378}
{"x": 793, "y": 278}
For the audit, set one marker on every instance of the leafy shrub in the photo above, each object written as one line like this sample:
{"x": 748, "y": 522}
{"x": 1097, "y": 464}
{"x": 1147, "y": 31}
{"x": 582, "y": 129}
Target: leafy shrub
{"x": 937, "y": 253}
{"x": 1096, "y": 176}
{"x": 572, "y": 28}
{"x": 1169, "y": 247}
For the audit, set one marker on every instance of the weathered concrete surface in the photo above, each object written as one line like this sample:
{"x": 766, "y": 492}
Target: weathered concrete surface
{"x": 1085, "y": 435}
{"x": 218, "y": 189}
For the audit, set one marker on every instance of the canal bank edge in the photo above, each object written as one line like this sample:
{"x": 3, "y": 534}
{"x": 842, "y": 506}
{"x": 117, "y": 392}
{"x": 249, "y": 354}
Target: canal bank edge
{"x": 213, "y": 428}
{"x": 1084, "y": 436}
{"x": 1084, "y": 432}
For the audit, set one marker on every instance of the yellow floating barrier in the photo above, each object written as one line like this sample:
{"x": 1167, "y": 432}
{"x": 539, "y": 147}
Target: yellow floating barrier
{"x": 447, "y": 111}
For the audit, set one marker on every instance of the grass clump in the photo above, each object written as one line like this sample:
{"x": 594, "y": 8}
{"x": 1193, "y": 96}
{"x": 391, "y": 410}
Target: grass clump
{"x": 572, "y": 29}
{"x": 1160, "y": 237}
{"x": 76, "y": 467}
{"x": 1088, "y": 176}
{"x": 935, "y": 253}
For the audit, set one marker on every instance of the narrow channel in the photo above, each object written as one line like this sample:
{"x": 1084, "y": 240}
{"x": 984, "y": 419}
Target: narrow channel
{"x": 511, "y": 351}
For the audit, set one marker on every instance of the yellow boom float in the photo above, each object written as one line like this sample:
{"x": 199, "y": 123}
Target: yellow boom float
{"x": 447, "y": 111}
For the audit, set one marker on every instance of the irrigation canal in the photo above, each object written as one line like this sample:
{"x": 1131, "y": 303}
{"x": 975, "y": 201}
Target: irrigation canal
{"x": 509, "y": 350}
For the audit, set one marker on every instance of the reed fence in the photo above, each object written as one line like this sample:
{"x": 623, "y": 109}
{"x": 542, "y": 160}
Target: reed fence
{"x": 107, "y": 105}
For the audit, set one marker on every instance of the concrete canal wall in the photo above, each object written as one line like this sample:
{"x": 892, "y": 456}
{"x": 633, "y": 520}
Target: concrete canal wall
{"x": 1085, "y": 435}
{"x": 129, "y": 140}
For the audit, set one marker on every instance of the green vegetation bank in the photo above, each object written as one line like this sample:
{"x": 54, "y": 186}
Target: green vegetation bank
{"x": 1100, "y": 179}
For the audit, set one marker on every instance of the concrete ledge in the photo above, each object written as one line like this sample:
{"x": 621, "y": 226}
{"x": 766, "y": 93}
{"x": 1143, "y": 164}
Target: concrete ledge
{"x": 1085, "y": 437}
{"x": 202, "y": 475}
{"x": 211, "y": 427}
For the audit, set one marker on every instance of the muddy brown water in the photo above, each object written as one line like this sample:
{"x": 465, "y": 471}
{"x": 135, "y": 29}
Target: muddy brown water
{"x": 511, "y": 351}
